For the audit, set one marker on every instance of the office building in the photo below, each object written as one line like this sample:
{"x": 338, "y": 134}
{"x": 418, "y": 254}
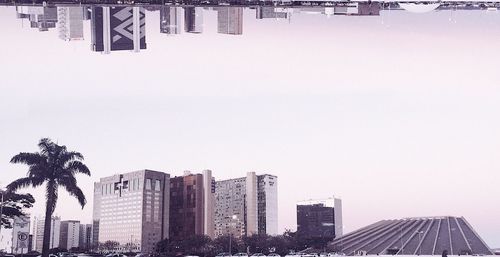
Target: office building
{"x": 55, "y": 233}
{"x": 41, "y": 18}
{"x": 70, "y": 23}
{"x": 132, "y": 209}
{"x": 189, "y": 204}
{"x": 193, "y": 19}
{"x": 85, "y": 237}
{"x": 118, "y": 28}
{"x": 170, "y": 20}
{"x": 21, "y": 235}
{"x": 414, "y": 236}
{"x": 320, "y": 218}
{"x": 246, "y": 206}
{"x": 270, "y": 12}
{"x": 70, "y": 234}
{"x": 230, "y": 20}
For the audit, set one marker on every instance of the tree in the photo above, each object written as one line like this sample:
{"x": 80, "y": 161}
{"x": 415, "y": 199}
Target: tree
{"x": 53, "y": 166}
{"x": 13, "y": 207}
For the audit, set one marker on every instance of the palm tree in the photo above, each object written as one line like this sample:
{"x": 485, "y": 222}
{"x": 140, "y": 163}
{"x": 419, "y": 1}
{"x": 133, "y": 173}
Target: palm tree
{"x": 53, "y": 166}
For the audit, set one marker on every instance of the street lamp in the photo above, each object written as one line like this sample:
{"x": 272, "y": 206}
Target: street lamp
{"x": 233, "y": 218}
{"x": 2, "y": 192}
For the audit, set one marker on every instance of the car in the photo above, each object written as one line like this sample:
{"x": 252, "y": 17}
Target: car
{"x": 241, "y": 255}
{"x": 223, "y": 255}
{"x": 274, "y": 255}
{"x": 258, "y": 255}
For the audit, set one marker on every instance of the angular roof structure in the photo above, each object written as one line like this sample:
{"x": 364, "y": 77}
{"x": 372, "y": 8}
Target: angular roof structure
{"x": 414, "y": 236}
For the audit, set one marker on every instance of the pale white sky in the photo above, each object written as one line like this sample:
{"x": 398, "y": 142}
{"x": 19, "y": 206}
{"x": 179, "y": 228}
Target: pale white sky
{"x": 397, "y": 115}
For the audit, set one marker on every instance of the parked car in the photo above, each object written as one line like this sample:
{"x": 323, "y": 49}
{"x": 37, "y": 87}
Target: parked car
{"x": 274, "y": 255}
{"x": 241, "y": 255}
{"x": 223, "y": 255}
{"x": 258, "y": 255}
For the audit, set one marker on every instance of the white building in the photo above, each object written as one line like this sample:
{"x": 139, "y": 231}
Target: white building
{"x": 70, "y": 23}
{"x": 20, "y": 235}
{"x": 70, "y": 234}
{"x": 55, "y": 233}
{"x": 246, "y": 206}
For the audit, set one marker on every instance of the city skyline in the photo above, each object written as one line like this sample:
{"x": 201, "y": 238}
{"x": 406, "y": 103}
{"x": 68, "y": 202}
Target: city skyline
{"x": 390, "y": 144}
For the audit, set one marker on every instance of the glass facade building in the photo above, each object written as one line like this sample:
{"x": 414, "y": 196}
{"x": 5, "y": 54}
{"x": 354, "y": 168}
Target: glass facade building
{"x": 132, "y": 210}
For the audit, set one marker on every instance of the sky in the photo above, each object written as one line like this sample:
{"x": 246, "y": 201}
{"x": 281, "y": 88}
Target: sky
{"x": 396, "y": 114}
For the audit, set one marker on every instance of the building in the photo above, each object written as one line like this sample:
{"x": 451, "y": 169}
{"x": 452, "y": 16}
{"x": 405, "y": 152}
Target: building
{"x": 85, "y": 237}
{"x": 230, "y": 20}
{"x": 118, "y": 28}
{"x": 70, "y": 234}
{"x": 320, "y": 218}
{"x": 270, "y": 12}
{"x": 70, "y": 22}
{"x": 21, "y": 235}
{"x": 170, "y": 20}
{"x": 414, "y": 236}
{"x": 55, "y": 233}
{"x": 193, "y": 19}
{"x": 132, "y": 209}
{"x": 41, "y": 18}
{"x": 189, "y": 204}
{"x": 246, "y": 206}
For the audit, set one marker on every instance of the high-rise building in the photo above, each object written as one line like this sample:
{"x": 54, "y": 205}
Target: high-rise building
{"x": 170, "y": 20}
{"x": 20, "y": 235}
{"x": 189, "y": 204}
{"x": 85, "y": 237}
{"x": 70, "y": 22}
{"x": 193, "y": 19}
{"x": 246, "y": 206}
{"x": 42, "y": 18}
{"x": 132, "y": 209}
{"x": 230, "y": 20}
{"x": 320, "y": 218}
{"x": 270, "y": 12}
{"x": 117, "y": 28}
{"x": 70, "y": 234}
{"x": 55, "y": 232}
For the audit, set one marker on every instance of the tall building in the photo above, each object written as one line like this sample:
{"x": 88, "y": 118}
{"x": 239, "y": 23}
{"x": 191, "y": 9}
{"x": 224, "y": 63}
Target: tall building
{"x": 55, "y": 233}
{"x": 20, "y": 235}
{"x": 70, "y": 234}
{"x": 230, "y": 20}
{"x": 41, "y": 18}
{"x": 85, "y": 237}
{"x": 170, "y": 20}
{"x": 320, "y": 218}
{"x": 189, "y": 204}
{"x": 246, "y": 206}
{"x": 270, "y": 12}
{"x": 118, "y": 28}
{"x": 70, "y": 22}
{"x": 193, "y": 19}
{"x": 132, "y": 209}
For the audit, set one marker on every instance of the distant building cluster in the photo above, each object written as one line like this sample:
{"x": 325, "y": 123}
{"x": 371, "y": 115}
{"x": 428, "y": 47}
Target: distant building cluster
{"x": 137, "y": 209}
{"x": 118, "y": 28}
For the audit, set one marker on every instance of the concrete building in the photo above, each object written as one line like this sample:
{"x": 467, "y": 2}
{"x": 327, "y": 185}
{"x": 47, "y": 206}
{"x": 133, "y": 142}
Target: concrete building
{"x": 230, "y": 20}
{"x": 70, "y": 23}
{"x": 21, "y": 235}
{"x": 70, "y": 234}
{"x": 193, "y": 19}
{"x": 320, "y": 218}
{"x": 85, "y": 237}
{"x": 414, "y": 236}
{"x": 55, "y": 233}
{"x": 170, "y": 20}
{"x": 246, "y": 206}
{"x": 269, "y": 12}
{"x": 116, "y": 28}
{"x": 41, "y": 18}
{"x": 190, "y": 201}
{"x": 132, "y": 209}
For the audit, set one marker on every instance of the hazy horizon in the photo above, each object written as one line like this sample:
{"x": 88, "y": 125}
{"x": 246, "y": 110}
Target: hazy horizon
{"x": 395, "y": 114}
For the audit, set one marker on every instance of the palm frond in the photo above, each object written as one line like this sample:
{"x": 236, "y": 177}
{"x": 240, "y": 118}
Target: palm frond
{"x": 46, "y": 145}
{"x": 28, "y": 158}
{"x": 78, "y": 167}
{"x": 22, "y": 183}
{"x": 76, "y": 192}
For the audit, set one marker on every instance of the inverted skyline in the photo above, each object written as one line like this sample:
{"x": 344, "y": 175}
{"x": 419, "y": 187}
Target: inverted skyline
{"x": 396, "y": 114}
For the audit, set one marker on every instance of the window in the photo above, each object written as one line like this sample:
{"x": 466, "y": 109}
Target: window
{"x": 148, "y": 184}
{"x": 157, "y": 185}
